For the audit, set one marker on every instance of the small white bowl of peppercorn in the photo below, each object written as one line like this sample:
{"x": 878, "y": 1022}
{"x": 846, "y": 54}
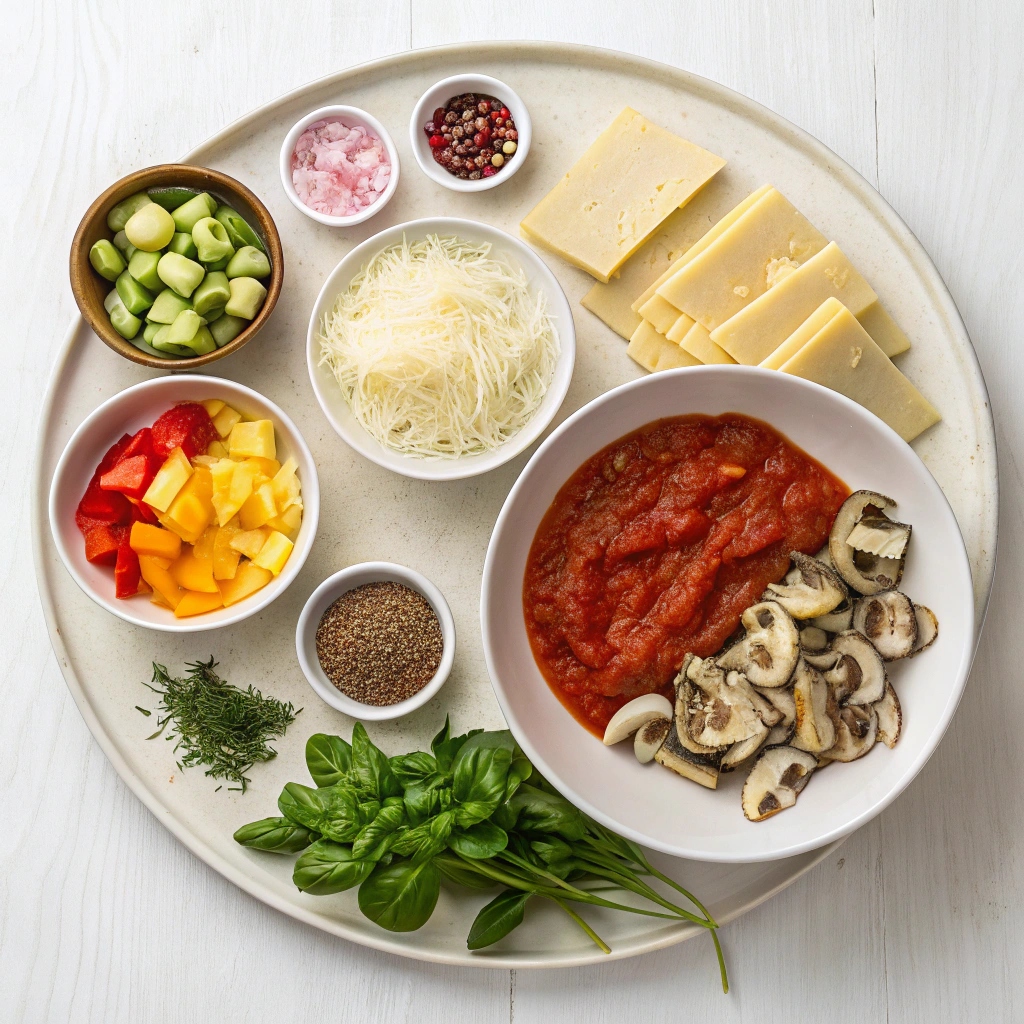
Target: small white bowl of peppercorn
{"x": 470, "y": 133}
{"x": 376, "y": 640}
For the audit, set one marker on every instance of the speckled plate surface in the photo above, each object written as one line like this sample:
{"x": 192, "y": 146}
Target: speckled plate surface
{"x": 442, "y": 529}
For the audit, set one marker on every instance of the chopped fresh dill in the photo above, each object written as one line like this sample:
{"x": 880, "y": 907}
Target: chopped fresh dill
{"x": 145, "y": 711}
{"x": 216, "y": 724}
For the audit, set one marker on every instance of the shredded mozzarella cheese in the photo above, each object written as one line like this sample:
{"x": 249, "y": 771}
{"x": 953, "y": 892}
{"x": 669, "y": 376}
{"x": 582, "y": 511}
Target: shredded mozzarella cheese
{"x": 440, "y": 348}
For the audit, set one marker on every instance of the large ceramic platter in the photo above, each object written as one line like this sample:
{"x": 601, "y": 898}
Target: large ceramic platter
{"x": 442, "y": 529}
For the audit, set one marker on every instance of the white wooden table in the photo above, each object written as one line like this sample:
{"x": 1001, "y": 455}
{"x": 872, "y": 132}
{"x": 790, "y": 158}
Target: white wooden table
{"x": 104, "y": 917}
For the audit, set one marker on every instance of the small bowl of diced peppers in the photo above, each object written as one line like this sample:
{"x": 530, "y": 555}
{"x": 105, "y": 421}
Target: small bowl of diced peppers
{"x": 185, "y": 503}
{"x": 175, "y": 266}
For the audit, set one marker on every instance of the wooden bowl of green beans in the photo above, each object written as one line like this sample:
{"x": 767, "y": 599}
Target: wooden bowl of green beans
{"x": 202, "y": 281}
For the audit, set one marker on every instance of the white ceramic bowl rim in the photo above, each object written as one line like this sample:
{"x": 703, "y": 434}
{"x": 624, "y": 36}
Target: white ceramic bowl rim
{"x": 470, "y": 465}
{"x": 209, "y": 387}
{"x": 448, "y": 88}
{"x": 881, "y": 796}
{"x": 343, "y": 113}
{"x": 327, "y": 593}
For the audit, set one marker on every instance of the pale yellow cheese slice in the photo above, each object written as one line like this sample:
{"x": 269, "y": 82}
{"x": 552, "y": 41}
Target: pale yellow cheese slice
{"x": 660, "y": 313}
{"x": 695, "y": 250}
{"x": 886, "y": 332}
{"x": 733, "y": 271}
{"x": 680, "y": 328}
{"x": 803, "y": 334}
{"x": 615, "y": 196}
{"x": 760, "y": 327}
{"x": 842, "y": 356}
{"x": 653, "y": 351}
{"x": 697, "y": 341}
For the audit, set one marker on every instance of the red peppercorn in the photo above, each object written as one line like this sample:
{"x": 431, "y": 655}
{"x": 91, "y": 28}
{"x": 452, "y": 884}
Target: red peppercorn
{"x": 489, "y": 172}
{"x": 439, "y": 115}
{"x": 437, "y": 142}
{"x": 506, "y": 113}
{"x": 512, "y": 135}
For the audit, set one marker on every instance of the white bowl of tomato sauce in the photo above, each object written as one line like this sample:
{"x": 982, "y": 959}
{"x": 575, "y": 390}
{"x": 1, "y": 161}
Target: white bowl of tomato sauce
{"x": 589, "y": 600}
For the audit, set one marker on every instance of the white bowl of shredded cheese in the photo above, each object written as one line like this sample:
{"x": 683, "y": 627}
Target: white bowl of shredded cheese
{"x": 441, "y": 348}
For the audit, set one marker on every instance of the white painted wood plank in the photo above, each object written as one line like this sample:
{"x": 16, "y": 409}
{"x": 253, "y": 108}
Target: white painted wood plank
{"x": 950, "y": 139}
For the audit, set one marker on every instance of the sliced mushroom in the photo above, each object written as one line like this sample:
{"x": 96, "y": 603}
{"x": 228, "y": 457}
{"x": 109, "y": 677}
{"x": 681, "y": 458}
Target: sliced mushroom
{"x": 768, "y": 652}
{"x": 837, "y": 620}
{"x": 890, "y": 717}
{"x": 877, "y": 535}
{"x": 779, "y": 734}
{"x": 718, "y": 714}
{"x": 810, "y": 588}
{"x": 775, "y": 781}
{"x": 927, "y": 628}
{"x": 744, "y": 750}
{"x": 650, "y": 737}
{"x": 679, "y": 752}
{"x": 815, "y": 710}
{"x": 855, "y": 647}
{"x": 813, "y": 639}
{"x": 766, "y": 710}
{"x": 824, "y": 556}
{"x": 866, "y": 573}
{"x": 781, "y": 698}
{"x": 632, "y": 716}
{"x": 856, "y": 734}
{"x": 889, "y": 621}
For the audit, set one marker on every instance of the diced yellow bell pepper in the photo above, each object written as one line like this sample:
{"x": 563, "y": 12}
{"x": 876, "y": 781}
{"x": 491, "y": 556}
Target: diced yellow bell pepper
{"x": 225, "y": 420}
{"x": 217, "y": 450}
{"x": 286, "y": 484}
{"x": 225, "y": 557}
{"x": 155, "y": 573}
{"x": 274, "y": 553}
{"x": 212, "y": 406}
{"x": 258, "y": 508}
{"x": 192, "y": 573}
{"x": 169, "y": 479}
{"x": 176, "y": 528}
{"x": 248, "y": 580}
{"x": 267, "y": 467}
{"x": 232, "y": 485}
{"x": 288, "y": 522}
{"x": 250, "y": 542}
{"x": 147, "y": 539}
{"x": 203, "y": 548}
{"x": 255, "y": 438}
{"x": 193, "y": 508}
{"x": 196, "y": 604}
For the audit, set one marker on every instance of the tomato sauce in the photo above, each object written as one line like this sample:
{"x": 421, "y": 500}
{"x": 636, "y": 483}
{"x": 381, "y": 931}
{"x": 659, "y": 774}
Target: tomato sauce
{"x": 655, "y": 546}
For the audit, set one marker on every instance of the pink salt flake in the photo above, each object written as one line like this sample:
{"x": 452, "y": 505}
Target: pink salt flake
{"x": 338, "y": 170}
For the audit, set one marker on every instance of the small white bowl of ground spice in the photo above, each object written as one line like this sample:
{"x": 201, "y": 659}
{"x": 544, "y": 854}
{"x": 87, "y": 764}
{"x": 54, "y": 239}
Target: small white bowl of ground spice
{"x": 376, "y": 640}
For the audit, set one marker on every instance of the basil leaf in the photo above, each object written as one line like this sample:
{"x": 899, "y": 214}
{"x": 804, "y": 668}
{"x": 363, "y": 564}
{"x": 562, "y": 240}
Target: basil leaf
{"x": 479, "y": 842}
{"x": 445, "y": 746}
{"x": 342, "y": 816}
{"x": 479, "y": 774}
{"x": 540, "y": 811}
{"x": 503, "y": 914}
{"x": 328, "y": 867}
{"x": 427, "y": 839}
{"x": 413, "y": 768}
{"x": 328, "y": 759}
{"x": 519, "y": 771}
{"x": 402, "y": 896}
{"x": 378, "y": 836}
{"x": 302, "y": 805}
{"x": 459, "y": 872}
{"x": 423, "y": 799}
{"x": 276, "y": 835}
{"x": 371, "y": 771}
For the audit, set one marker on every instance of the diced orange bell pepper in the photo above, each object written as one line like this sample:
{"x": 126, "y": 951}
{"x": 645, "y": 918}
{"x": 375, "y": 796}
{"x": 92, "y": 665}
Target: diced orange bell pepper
{"x": 192, "y": 603}
{"x": 192, "y": 573}
{"x": 152, "y": 540}
{"x": 248, "y": 580}
{"x": 225, "y": 557}
{"x": 155, "y": 573}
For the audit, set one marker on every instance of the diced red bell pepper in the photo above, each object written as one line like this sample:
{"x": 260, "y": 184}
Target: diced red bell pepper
{"x": 105, "y": 506}
{"x": 114, "y": 452}
{"x": 140, "y": 444}
{"x": 142, "y": 513}
{"x": 130, "y": 477}
{"x": 127, "y": 573}
{"x": 187, "y": 426}
{"x": 102, "y": 543}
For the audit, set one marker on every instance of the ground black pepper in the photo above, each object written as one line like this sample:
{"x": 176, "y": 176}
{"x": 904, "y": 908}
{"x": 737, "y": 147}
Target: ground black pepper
{"x": 379, "y": 643}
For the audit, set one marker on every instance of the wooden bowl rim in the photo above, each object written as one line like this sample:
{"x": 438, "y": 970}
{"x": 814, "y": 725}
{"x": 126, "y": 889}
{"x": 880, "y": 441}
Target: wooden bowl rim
{"x": 149, "y": 177}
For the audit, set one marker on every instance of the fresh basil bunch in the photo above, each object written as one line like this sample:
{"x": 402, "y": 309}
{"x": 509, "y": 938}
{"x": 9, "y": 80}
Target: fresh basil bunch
{"x": 472, "y": 812}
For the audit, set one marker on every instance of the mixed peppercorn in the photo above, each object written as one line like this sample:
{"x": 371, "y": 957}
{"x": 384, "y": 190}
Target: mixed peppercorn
{"x": 473, "y": 136}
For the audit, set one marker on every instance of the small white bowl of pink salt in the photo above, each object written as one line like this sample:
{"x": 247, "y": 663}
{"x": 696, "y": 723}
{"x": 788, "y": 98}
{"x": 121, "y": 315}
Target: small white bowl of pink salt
{"x": 339, "y": 166}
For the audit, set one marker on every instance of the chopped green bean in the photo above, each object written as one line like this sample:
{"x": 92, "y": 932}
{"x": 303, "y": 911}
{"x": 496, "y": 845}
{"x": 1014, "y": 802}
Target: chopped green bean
{"x": 167, "y": 305}
{"x": 142, "y": 266}
{"x": 160, "y": 342}
{"x": 126, "y": 248}
{"x": 150, "y": 228}
{"x": 213, "y": 315}
{"x": 239, "y": 230}
{"x": 202, "y": 342}
{"x": 186, "y": 215}
{"x": 182, "y": 244}
{"x": 135, "y": 298}
{"x": 122, "y": 212}
{"x": 248, "y": 262}
{"x": 142, "y": 345}
{"x": 180, "y": 273}
{"x": 218, "y": 264}
{"x": 149, "y": 331}
{"x": 184, "y": 328}
{"x": 106, "y": 260}
{"x": 171, "y": 198}
{"x": 211, "y": 239}
{"x": 213, "y": 293}
{"x": 121, "y": 319}
{"x": 247, "y": 295}
{"x": 226, "y": 328}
